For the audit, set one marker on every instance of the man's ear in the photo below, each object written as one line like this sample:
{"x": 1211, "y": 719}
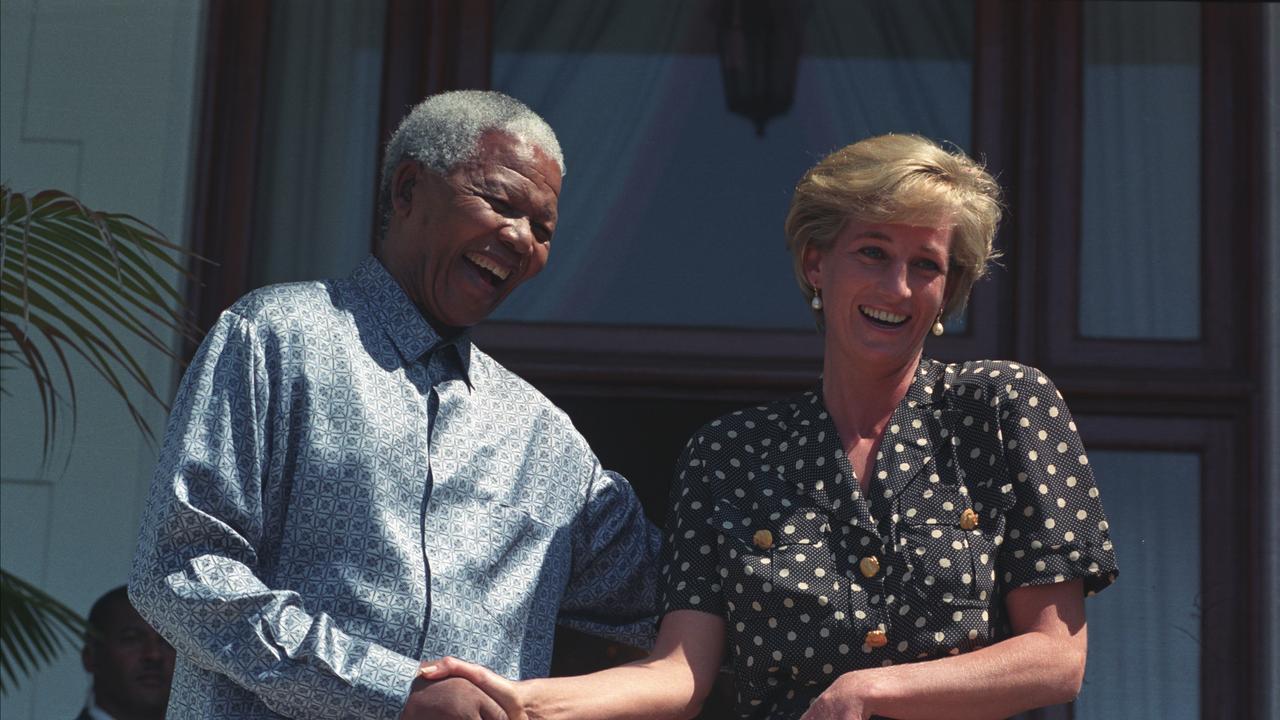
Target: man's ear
{"x": 87, "y": 658}
{"x": 406, "y": 177}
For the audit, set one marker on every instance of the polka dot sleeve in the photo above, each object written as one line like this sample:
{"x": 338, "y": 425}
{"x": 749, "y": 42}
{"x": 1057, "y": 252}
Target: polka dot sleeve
{"x": 1056, "y": 530}
{"x": 690, "y": 577}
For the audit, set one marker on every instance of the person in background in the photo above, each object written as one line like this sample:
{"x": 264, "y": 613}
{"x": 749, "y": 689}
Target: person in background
{"x": 131, "y": 664}
{"x": 348, "y": 484}
{"x": 910, "y": 538}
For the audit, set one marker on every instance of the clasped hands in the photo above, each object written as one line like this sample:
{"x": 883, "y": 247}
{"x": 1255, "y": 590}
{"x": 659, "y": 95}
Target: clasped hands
{"x": 453, "y": 688}
{"x": 450, "y": 688}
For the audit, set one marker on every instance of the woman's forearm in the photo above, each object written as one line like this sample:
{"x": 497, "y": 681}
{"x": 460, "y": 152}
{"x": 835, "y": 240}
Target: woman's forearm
{"x": 646, "y": 689}
{"x": 1026, "y": 671}
{"x": 671, "y": 683}
{"x": 1042, "y": 664}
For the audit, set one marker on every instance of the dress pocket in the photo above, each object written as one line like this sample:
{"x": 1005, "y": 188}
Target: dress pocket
{"x": 944, "y": 566}
{"x": 950, "y": 522}
{"x": 788, "y": 607}
{"x": 775, "y": 559}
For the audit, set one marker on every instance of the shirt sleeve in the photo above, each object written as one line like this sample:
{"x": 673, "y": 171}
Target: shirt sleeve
{"x": 613, "y": 588}
{"x": 1056, "y": 529}
{"x": 204, "y": 530}
{"x": 690, "y": 560}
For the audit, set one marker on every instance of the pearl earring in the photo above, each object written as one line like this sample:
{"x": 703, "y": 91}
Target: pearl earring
{"x": 816, "y": 302}
{"x": 937, "y": 326}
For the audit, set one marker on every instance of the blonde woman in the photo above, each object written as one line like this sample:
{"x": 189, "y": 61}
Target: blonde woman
{"x": 909, "y": 539}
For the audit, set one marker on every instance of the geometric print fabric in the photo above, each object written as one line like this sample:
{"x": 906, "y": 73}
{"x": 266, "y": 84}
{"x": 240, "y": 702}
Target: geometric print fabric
{"x": 341, "y": 492}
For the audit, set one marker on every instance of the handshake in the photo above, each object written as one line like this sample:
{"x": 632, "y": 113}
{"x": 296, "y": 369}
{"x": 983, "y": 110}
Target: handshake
{"x": 450, "y": 688}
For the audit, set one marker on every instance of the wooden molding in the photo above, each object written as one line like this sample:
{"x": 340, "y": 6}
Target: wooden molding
{"x": 1231, "y": 210}
{"x": 227, "y": 147}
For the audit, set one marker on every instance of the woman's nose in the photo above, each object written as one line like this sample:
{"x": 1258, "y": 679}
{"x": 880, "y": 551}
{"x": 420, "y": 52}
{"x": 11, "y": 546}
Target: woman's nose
{"x": 894, "y": 280}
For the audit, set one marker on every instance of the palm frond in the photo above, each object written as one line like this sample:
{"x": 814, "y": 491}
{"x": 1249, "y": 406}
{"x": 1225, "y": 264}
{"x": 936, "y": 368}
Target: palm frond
{"x": 89, "y": 283}
{"x": 34, "y": 628}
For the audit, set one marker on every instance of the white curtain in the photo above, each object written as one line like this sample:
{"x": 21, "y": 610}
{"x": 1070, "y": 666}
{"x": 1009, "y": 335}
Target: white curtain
{"x": 673, "y": 208}
{"x": 1140, "y": 229}
{"x": 319, "y": 139}
{"x": 1144, "y": 631}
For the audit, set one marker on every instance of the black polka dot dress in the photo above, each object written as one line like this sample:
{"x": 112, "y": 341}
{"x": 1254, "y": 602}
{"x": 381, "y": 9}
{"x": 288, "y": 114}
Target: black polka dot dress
{"x": 981, "y": 486}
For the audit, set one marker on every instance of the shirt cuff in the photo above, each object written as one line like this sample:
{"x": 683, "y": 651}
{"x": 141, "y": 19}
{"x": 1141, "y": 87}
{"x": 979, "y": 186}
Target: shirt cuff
{"x": 382, "y": 687}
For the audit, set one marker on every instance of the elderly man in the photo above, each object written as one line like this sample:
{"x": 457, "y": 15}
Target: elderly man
{"x": 348, "y": 486}
{"x": 130, "y": 663}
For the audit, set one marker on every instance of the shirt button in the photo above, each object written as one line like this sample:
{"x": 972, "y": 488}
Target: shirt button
{"x": 876, "y": 638}
{"x": 763, "y": 539}
{"x": 869, "y": 566}
{"x": 968, "y": 519}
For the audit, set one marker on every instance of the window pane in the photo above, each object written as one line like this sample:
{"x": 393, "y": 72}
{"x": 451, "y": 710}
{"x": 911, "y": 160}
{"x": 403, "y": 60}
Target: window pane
{"x": 319, "y": 139}
{"x": 1144, "y": 631}
{"x": 1140, "y": 225}
{"x": 673, "y": 207}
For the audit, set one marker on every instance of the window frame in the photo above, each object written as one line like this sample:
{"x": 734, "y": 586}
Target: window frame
{"x": 1209, "y": 389}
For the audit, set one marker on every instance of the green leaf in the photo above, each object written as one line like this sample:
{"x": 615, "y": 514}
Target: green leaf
{"x": 76, "y": 280}
{"x": 34, "y": 629}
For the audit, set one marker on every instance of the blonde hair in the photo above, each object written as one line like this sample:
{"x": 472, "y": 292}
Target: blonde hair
{"x": 899, "y": 179}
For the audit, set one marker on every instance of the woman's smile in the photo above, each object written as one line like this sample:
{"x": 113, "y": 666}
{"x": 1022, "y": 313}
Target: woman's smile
{"x": 883, "y": 318}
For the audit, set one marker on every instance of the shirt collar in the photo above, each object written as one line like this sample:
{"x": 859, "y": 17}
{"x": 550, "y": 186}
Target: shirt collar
{"x": 401, "y": 320}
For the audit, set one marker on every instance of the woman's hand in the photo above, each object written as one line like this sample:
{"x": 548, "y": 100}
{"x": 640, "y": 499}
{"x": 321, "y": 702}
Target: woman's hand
{"x": 503, "y": 691}
{"x": 845, "y": 699}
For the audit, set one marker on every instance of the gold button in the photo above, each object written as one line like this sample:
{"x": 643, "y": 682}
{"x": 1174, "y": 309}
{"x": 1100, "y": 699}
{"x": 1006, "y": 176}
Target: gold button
{"x": 763, "y": 539}
{"x": 869, "y": 566}
{"x": 968, "y": 519}
{"x": 876, "y": 638}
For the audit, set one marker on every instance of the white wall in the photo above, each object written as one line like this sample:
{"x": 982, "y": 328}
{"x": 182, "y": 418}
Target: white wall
{"x": 97, "y": 98}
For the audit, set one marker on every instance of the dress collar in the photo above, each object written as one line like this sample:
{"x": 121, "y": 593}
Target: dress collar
{"x": 414, "y": 337}
{"x": 926, "y": 388}
{"x": 912, "y": 441}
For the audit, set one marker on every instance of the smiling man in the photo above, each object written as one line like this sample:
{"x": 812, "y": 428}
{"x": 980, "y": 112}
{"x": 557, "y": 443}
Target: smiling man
{"x": 348, "y": 486}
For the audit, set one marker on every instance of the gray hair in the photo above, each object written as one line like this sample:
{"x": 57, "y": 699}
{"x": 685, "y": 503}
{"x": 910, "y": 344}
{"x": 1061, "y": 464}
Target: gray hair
{"x": 443, "y": 132}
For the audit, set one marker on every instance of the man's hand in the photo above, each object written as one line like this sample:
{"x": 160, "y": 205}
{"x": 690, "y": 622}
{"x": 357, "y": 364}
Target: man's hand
{"x": 505, "y": 692}
{"x": 454, "y": 698}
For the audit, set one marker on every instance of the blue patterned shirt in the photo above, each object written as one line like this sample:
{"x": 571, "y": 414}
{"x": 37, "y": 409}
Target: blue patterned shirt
{"x": 341, "y": 493}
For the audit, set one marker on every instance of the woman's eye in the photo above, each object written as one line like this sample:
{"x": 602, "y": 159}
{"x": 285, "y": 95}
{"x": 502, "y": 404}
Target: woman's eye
{"x": 872, "y": 252}
{"x": 929, "y": 265}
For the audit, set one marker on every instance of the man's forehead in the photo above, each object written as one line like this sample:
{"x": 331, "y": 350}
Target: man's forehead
{"x": 499, "y": 147}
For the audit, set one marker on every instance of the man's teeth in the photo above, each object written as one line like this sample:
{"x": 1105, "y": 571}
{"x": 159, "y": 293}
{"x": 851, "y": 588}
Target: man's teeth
{"x": 883, "y": 316}
{"x": 489, "y": 265}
